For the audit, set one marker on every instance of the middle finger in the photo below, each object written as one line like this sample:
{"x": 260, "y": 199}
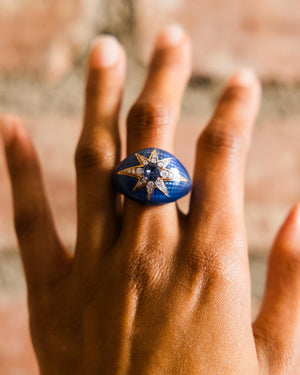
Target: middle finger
{"x": 152, "y": 119}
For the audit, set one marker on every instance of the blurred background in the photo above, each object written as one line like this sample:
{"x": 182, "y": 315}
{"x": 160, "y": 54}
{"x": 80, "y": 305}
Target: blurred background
{"x": 43, "y": 50}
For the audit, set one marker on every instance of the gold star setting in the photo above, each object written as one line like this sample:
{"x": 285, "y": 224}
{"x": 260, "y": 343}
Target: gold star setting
{"x": 152, "y": 173}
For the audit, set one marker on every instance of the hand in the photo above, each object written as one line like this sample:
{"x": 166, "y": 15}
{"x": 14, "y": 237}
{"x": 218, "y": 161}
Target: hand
{"x": 150, "y": 290}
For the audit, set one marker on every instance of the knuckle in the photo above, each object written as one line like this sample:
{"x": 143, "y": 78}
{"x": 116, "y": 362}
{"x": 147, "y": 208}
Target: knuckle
{"x": 217, "y": 140}
{"x": 199, "y": 262}
{"x": 208, "y": 269}
{"x": 145, "y": 114}
{"x": 100, "y": 155}
{"x": 199, "y": 273}
{"x": 25, "y": 222}
{"x": 217, "y": 261}
{"x": 143, "y": 270}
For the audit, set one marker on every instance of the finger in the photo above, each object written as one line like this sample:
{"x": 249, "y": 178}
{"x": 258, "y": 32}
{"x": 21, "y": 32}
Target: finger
{"x": 99, "y": 147}
{"x": 43, "y": 255}
{"x": 218, "y": 189}
{"x": 152, "y": 119}
{"x": 277, "y": 327}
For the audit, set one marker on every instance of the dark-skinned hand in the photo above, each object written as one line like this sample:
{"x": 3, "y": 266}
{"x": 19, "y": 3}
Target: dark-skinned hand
{"x": 149, "y": 290}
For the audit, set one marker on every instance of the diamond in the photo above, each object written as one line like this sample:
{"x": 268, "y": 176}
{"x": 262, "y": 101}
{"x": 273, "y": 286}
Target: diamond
{"x": 150, "y": 188}
{"x": 164, "y": 173}
{"x": 153, "y": 157}
{"x": 141, "y": 183}
{"x": 139, "y": 171}
{"x": 142, "y": 159}
{"x": 164, "y": 162}
{"x": 161, "y": 186}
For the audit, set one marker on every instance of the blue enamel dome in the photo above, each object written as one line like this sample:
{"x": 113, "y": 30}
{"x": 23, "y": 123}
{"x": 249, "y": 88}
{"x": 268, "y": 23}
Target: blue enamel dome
{"x": 152, "y": 176}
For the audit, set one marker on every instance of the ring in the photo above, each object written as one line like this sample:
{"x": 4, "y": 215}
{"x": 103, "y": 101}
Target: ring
{"x": 152, "y": 176}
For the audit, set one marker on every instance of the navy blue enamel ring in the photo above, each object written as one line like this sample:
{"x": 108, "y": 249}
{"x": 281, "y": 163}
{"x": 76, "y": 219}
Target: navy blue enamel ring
{"x": 152, "y": 176}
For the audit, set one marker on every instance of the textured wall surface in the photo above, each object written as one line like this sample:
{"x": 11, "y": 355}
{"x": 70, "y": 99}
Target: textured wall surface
{"x": 43, "y": 48}
{"x": 228, "y": 33}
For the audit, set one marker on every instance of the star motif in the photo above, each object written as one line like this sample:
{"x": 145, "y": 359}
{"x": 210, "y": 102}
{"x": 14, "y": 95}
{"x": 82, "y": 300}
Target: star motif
{"x": 151, "y": 173}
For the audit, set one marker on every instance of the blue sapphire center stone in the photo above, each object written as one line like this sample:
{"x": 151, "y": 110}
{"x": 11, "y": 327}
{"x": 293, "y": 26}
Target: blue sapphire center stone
{"x": 151, "y": 171}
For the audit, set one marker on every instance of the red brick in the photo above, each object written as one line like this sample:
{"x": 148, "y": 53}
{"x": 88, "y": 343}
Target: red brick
{"x": 229, "y": 33}
{"x": 43, "y": 37}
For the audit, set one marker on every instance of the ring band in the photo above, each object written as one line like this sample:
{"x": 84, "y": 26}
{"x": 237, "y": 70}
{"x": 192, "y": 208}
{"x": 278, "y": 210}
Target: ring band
{"x": 152, "y": 176}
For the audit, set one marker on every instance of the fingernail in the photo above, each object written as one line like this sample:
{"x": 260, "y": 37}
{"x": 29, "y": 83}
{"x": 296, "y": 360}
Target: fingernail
{"x": 105, "y": 52}
{"x": 170, "y": 36}
{"x": 243, "y": 77}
